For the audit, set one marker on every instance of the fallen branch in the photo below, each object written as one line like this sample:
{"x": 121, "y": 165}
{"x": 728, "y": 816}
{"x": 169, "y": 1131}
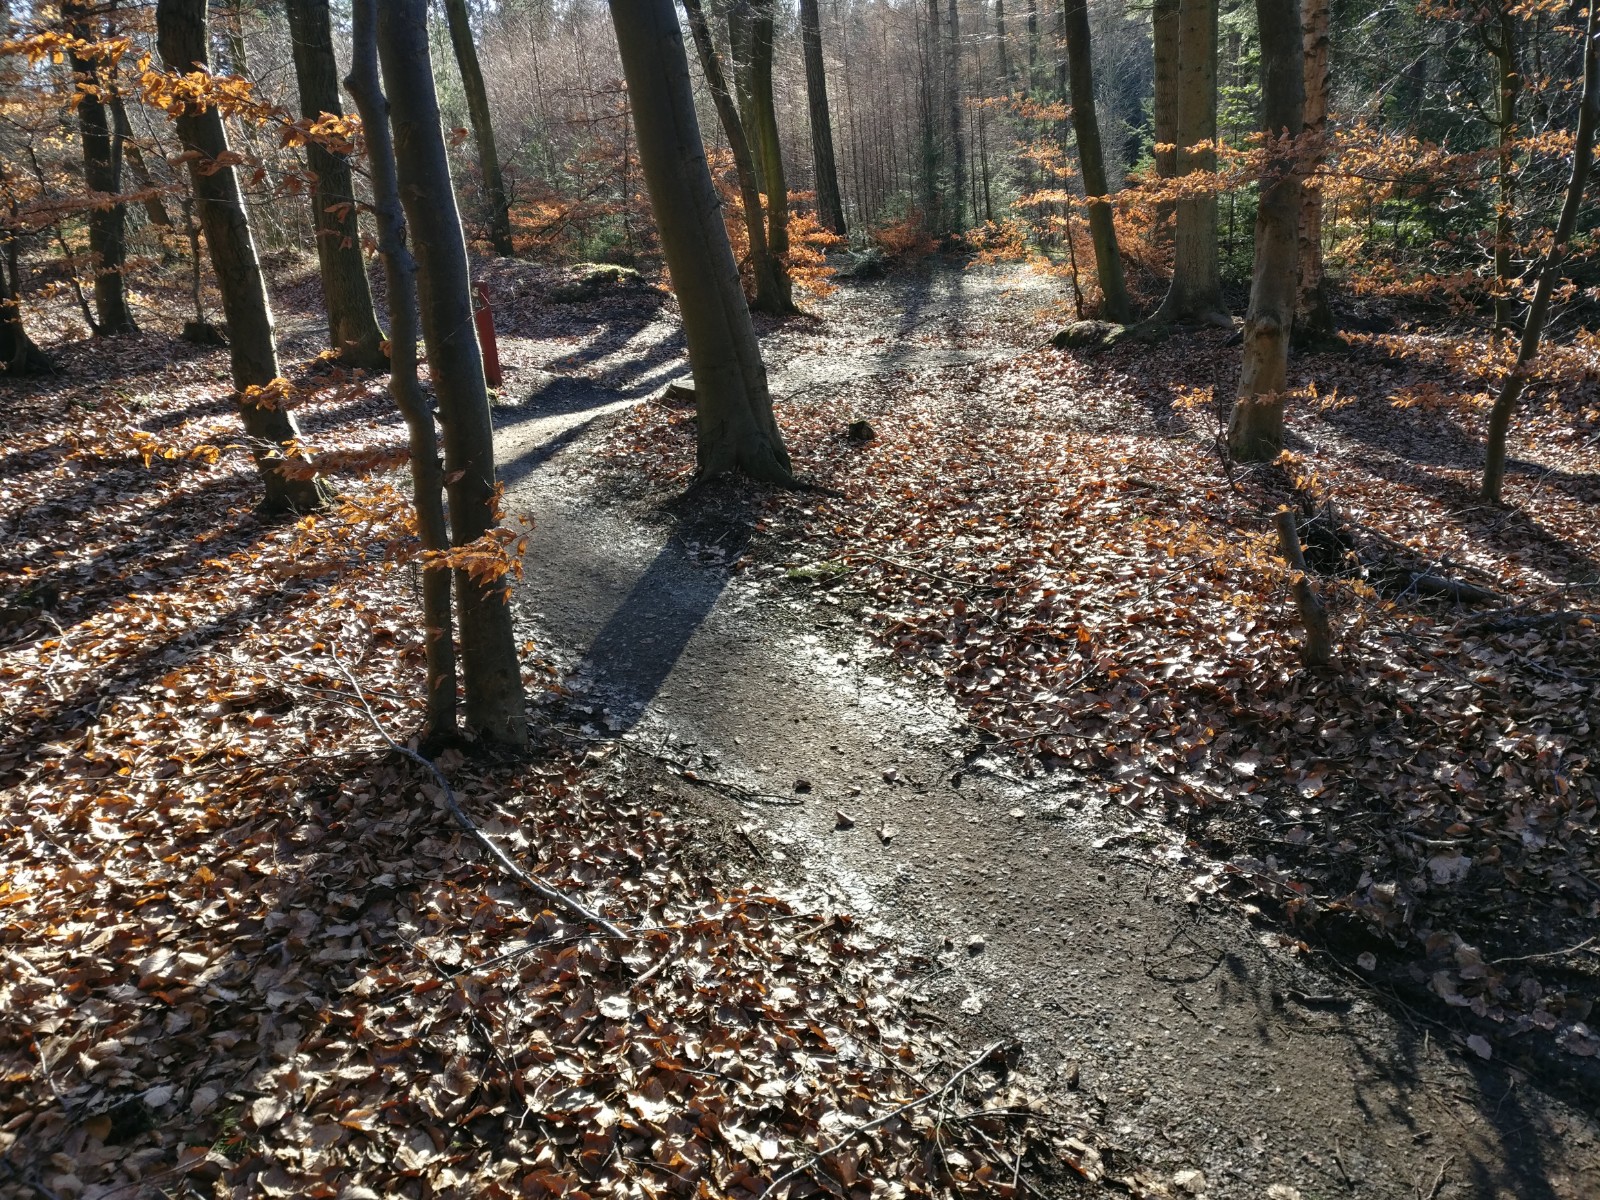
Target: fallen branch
{"x": 1318, "y": 650}
{"x": 817, "y": 1156}
{"x": 542, "y": 890}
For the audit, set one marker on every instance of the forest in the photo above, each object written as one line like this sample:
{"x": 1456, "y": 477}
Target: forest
{"x": 786, "y": 598}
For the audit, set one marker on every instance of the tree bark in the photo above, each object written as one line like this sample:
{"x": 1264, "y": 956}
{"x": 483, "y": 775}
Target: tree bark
{"x": 1550, "y": 269}
{"x": 737, "y": 430}
{"x": 1313, "y": 320}
{"x": 751, "y": 28}
{"x": 18, "y": 354}
{"x": 400, "y": 272}
{"x": 772, "y": 291}
{"x": 154, "y": 207}
{"x": 1196, "y": 291}
{"x": 1092, "y": 164}
{"x": 490, "y": 673}
{"x": 1001, "y": 44}
{"x": 953, "y": 106}
{"x": 1255, "y": 430}
{"x": 1033, "y": 45}
{"x": 494, "y": 184}
{"x": 830, "y": 205}
{"x": 353, "y": 330}
{"x": 183, "y": 38}
{"x": 102, "y": 174}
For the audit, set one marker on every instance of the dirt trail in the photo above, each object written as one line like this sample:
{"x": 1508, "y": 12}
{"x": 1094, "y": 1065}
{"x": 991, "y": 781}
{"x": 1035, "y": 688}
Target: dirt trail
{"x": 1185, "y": 1040}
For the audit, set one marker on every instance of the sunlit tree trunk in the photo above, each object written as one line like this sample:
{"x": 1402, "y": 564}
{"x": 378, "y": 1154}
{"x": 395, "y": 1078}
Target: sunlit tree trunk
{"x": 1196, "y": 291}
{"x": 830, "y": 205}
{"x": 494, "y": 184}
{"x": 102, "y": 173}
{"x": 737, "y": 431}
{"x": 751, "y": 27}
{"x": 400, "y": 273}
{"x": 953, "y": 105}
{"x": 1550, "y": 269}
{"x": 352, "y": 324}
{"x": 490, "y": 675}
{"x": 772, "y": 291}
{"x": 183, "y": 39}
{"x": 1091, "y": 162}
{"x": 1255, "y": 430}
{"x": 1313, "y": 319}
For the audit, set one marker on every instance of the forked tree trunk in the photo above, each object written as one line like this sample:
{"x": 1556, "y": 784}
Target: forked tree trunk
{"x": 183, "y": 38}
{"x": 953, "y": 106}
{"x": 154, "y": 207}
{"x": 772, "y": 291}
{"x": 102, "y": 173}
{"x": 353, "y": 331}
{"x": 751, "y": 26}
{"x": 490, "y": 675}
{"x": 830, "y": 206}
{"x": 1092, "y": 164}
{"x": 1550, "y": 269}
{"x": 400, "y": 272}
{"x": 1196, "y": 291}
{"x": 1255, "y": 430}
{"x": 737, "y": 431}
{"x": 494, "y": 183}
{"x": 1313, "y": 318}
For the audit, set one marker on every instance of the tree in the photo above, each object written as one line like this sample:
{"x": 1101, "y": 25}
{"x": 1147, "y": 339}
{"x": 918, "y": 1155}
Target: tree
{"x": 400, "y": 273}
{"x": 829, "y": 204}
{"x": 1092, "y": 164}
{"x": 1196, "y": 291}
{"x": 490, "y": 676}
{"x": 183, "y": 38}
{"x": 751, "y": 34}
{"x": 18, "y": 354}
{"x": 106, "y": 218}
{"x": 1164, "y": 105}
{"x": 1313, "y": 320}
{"x": 1255, "y": 430}
{"x": 1502, "y": 48}
{"x": 494, "y": 184}
{"x": 736, "y": 428}
{"x": 953, "y": 106}
{"x": 353, "y": 330}
{"x": 1516, "y": 379}
{"x": 773, "y": 294}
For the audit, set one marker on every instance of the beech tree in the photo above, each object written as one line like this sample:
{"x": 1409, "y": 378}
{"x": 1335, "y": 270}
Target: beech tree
{"x": 106, "y": 218}
{"x": 494, "y": 184}
{"x": 1313, "y": 321}
{"x": 1092, "y": 164}
{"x": 736, "y": 427}
{"x": 751, "y": 34}
{"x": 18, "y": 353}
{"x": 490, "y": 675}
{"x": 183, "y": 38}
{"x": 353, "y": 330}
{"x": 830, "y": 206}
{"x": 1255, "y": 430}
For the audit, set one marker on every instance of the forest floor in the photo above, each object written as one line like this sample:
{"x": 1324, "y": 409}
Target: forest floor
{"x": 1006, "y": 745}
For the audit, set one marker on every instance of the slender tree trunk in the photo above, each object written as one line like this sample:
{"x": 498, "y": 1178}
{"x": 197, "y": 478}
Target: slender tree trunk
{"x": 1033, "y": 45}
{"x": 954, "y": 103}
{"x": 1255, "y": 431}
{"x": 737, "y": 430}
{"x": 183, "y": 39}
{"x": 352, "y": 324}
{"x": 1313, "y": 320}
{"x": 102, "y": 173}
{"x": 1166, "y": 36}
{"x": 494, "y": 184}
{"x": 932, "y": 63}
{"x": 751, "y": 24}
{"x": 1550, "y": 269}
{"x": 1001, "y": 45}
{"x": 830, "y": 205}
{"x": 18, "y": 354}
{"x": 490, "y": 673}
{"x": 1196, "y": 291}
{"x": 400, "y": 272}
{"x": 772, "y": 290}
{"x": 154, "y": 207}
{"x": 1092, "y": 164}
{"x": 1508, "y": 81}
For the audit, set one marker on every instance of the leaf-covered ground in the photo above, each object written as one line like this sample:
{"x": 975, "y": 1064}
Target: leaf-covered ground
{"x": 247, "y": 953}
{"x": 1057, "y": 539}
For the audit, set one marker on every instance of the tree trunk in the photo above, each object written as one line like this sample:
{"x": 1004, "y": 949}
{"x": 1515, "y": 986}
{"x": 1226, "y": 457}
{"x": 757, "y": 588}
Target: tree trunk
{"x": 18, "y": 354}
{"x": 830, "y": 206}
{"x": 400, "y": 272}
{"x": 1508, "y": 81}
{"x": 183, "y": 38}
{"x": 1196, "y": 291}
{"x": 1092, "y": 164}
{"x": 953, "y": 105}
{"x": 352, "y": 324}
{"x": 1550, "y": 269}
{"x": 737, "y": 430}
{"x": 1255, "y": 430}
{"x": 1033, "y": 45}
{"x": 772, "y": 290}
{"x": 494, "y": 184}
{"x": 1313, "y": 320}
{"x": 154, "y": 207}
{"x": 490, "y": 673}
{"x": 102, "y": 174}
{"x": 751, "y": 24}
{"x": 1001, "y": 45}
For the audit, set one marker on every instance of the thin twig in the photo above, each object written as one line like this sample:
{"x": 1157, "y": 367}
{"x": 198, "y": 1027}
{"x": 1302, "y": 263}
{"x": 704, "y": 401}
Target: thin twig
{"x": 1583, "y": 945}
